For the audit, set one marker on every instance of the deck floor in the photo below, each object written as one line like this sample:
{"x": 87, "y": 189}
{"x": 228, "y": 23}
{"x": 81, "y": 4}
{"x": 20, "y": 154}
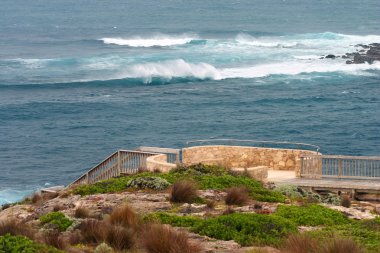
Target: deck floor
{"x": 288, "y": 177}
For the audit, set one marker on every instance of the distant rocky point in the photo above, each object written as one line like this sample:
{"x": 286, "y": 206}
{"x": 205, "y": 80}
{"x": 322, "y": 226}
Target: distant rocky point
{"x": 366, "y": 54}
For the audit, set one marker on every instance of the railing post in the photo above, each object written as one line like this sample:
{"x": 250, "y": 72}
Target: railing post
{"x": 118, "y": 163}
{"x": 87, "y": 178}
{"x": 340, "y": 168}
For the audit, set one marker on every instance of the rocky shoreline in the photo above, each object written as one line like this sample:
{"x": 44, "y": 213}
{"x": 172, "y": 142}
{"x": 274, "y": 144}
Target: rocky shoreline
{"x": 364, "y": 54}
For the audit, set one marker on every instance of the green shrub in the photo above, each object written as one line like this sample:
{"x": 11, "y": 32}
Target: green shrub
{"x": 154, "y": 183}
{"x": 58, "y": 219}
{"x": 174, "y": 220}
{"x": 295, "y": 192}
{"x": 255, "y": 188}
{"x": 200, "y": 169}
{"x": 246, "y": 229}
{"x": 357, "y": 231}
{"x": 332, "y": 199}
{"x": 210, "y": 177}
{"x": 311, "y": 215}
{"x": 17, "y": 244}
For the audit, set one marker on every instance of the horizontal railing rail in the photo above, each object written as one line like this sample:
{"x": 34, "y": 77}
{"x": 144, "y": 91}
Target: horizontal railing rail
{"x": 343, "y": 167}
{"x": 257, "y": 143}
{"x": 173, "y": 155}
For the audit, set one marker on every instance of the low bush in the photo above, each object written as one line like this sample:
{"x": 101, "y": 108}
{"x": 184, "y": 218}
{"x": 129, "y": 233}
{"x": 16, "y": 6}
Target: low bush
{"x": 297, "y": 193}
{"x": 256, "y": 190}
{"x": 183, "y": 191}
{"x": 331, "y": 199}
{"x": 154, "y": 183}
{"x": 345, "y": 201}
{"x": 237, "y": 196}
{"x": 174, "y": 220}
{"x": 82, "y": 213}
{"x": 159, "y": 238}
{"x": 356, "y": 230}
{"x": 17, "y": 244}
{"x": 200, "y": 169}
{"x": 246, "y": 229}
{"x": 311, "y": 215}
{"x": 13, "y": 227}
{"x": 57, "y": 219}
{"x": 124, "y": 216}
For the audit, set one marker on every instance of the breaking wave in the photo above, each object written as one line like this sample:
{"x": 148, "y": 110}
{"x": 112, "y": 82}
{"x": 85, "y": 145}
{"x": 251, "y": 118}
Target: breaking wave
{"x": 155, "y": 41}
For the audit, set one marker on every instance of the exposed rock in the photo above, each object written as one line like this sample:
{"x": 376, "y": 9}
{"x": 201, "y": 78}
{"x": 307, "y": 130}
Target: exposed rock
{"x": 368, "y": 54}
{"x": 330, "y": 56}
{"x": 357, "y": 213}
{"x": 192, "y": 208}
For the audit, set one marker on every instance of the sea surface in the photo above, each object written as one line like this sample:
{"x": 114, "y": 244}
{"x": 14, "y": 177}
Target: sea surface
{"x": 81, "y": 79}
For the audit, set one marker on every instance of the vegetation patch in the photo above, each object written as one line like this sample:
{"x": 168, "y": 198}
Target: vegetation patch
{"x": 312, "y": 215}
{"x": 246, "y": 229}
{"x": 17, "y": 244}
{"x": 205, "y": 176}
{"x": 154, "y": 183}
{"x": 58, "y": 219}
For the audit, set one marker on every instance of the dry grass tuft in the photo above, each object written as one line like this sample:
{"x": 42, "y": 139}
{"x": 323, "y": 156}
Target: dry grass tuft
{"x": 183, "y": 192}
{"x": 210, "y": 204}
{"x": 57, "y": 208}
{"x": 82, "y": 212}
{"x": 300, "y": 243}
{"x": 36, "y": 198}
{"x": 120, "y": 238}
{"x": 228, "y": 210}
{"x": 341, "y": 245}
{"x": 124, "y": 216}
{"x": 346, "y": 201}
{"x": 237, "y": 196}
{"x": 159, "y": 238}
{"x": 93, "y": 231}
{"x": 55, "y": 239}
{"x": 14, "y": 227}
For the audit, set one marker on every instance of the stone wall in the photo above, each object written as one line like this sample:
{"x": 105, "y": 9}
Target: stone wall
{"x": 159, "y": 162}
{"x": 240, "y": 156}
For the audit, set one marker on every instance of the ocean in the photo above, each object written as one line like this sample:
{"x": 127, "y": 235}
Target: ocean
{"x": 81, "y": 79}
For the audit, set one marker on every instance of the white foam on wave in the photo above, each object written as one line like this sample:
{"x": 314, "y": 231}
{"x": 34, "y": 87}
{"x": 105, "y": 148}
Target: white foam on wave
{"x": 246, "y": 39}
{"x": 12, "y": 196}
{"x": 160, "y": 40}
{"x": 296, "y": 68}
{"x": 182, "y": 69}
{"x": 171, "y": 69}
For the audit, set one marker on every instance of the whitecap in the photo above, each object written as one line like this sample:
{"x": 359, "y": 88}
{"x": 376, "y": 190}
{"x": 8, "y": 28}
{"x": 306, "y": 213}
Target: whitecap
{"x": 153, "y": 41}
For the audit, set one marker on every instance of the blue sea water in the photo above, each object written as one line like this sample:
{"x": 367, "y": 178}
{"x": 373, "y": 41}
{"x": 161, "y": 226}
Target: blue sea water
{"x": 81, "y": 79}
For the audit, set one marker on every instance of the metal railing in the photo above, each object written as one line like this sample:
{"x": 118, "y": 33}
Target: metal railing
{"x": 256, "y": 143}
{"x": 125, "y": 162}
{"x": 122, "y": 161}
{"x": 342, "y": 167}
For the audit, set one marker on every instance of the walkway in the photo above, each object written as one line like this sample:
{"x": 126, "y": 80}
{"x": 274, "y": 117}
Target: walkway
{"x": 288, "y": 177}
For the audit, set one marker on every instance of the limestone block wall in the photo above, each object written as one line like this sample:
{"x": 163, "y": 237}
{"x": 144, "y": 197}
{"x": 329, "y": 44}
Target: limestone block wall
{"x": 159, "y": 162}
{"x": 240, "y": 156}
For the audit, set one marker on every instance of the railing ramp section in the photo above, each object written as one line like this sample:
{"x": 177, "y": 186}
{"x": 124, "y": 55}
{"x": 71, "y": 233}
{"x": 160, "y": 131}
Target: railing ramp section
{"x": 124, "y": 162}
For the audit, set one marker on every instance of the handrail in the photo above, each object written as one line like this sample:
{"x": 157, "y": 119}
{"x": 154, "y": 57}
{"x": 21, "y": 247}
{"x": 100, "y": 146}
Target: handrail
{"x": 256, "y": 141}
{"x": 338, "y": 166}
{"x": 121, "y": 161}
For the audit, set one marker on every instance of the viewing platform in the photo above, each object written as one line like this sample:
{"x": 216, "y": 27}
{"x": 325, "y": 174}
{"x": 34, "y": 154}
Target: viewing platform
{"x": 291, "y": 163}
